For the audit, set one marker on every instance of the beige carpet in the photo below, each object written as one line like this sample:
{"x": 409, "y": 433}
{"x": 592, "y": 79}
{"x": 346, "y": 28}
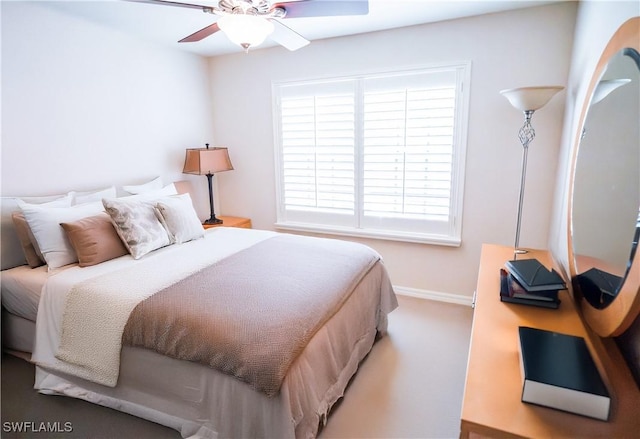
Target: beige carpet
{"x": 410, "y": 386}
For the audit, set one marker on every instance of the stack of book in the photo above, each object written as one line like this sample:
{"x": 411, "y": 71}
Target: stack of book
{"x": 528, "y": 282}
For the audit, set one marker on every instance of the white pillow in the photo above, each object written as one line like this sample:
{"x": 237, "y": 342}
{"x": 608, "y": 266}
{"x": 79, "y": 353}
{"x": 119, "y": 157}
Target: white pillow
{"x": 152, "y": 185}
{"x": 10, "y": 245}
{"x": 92, "y": 196}
{"x": 180, "y": 218}
{"x": 153, "y": 195}
{"x": 50, "y": 236}
{"x": 53, "y": 201}
{"x": 138, "y": 225}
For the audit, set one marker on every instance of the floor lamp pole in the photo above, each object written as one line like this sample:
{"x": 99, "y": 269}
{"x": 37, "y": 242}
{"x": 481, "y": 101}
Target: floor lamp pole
{"x": 526, "y": 135}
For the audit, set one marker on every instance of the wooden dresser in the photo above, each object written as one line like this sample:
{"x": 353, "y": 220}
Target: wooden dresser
{"x": 491, "y": 406}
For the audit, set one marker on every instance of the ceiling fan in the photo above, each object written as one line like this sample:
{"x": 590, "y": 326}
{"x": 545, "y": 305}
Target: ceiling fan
{"x": 248, "y": 22}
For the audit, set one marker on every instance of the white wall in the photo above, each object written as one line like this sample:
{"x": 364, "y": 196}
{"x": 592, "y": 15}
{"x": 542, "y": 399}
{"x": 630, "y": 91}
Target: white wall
{"x": 84, "y": 106}
{"x": 513, "y": 49}
{"x": 596, "y": 23}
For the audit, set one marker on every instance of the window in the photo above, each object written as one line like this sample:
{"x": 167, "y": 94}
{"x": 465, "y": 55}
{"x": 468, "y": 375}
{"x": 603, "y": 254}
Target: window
{"x": 378, "y": 155}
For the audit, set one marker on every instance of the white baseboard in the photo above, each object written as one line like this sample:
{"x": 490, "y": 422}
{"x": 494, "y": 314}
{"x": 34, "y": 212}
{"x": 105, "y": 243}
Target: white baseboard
{"x": 457, "y": 299}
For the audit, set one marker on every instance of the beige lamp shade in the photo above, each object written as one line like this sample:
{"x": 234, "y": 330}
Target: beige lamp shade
{"x": 530, "y": 98}
{"x": 203, "y": 161}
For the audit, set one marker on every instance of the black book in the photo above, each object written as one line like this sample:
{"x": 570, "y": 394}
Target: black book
{"x": 558, "y": 371}
{"x": 529, "y": 302}
{"x": 606, "y": 282}
{"x": 534, "y": 276}
{"x": 599, "y": 287}
{"x": 512, "y": 292}
{"x": 519, "y": 292}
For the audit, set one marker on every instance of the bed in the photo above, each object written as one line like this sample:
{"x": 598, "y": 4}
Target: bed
{"x": 294, "y": 317}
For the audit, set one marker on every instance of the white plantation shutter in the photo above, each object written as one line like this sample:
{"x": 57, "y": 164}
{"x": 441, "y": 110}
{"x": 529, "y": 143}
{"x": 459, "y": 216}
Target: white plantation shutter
{"x": 317, "y": 150}
{"x": 377, "y": 155}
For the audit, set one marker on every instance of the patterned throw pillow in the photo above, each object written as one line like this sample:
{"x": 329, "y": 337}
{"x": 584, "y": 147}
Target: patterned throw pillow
{"x": 137, "y": 225}
{"x": 180, "y": 218}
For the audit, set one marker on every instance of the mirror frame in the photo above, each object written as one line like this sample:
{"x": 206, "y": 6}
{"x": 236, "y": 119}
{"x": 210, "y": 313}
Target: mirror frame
{"x": 620, "y": 314}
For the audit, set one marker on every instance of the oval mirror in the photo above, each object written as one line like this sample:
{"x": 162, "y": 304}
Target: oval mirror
{"x": 606, "y": 194}
{"x": 605, "y": 199}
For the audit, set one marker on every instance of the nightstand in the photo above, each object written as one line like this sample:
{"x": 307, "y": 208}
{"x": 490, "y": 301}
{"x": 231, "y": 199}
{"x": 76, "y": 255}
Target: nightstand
{"x": 231, "y": 221}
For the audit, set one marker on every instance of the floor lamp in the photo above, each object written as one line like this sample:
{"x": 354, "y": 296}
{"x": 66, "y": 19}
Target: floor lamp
{"x": 207, "y": 161}
{"x": 528, "y": 100}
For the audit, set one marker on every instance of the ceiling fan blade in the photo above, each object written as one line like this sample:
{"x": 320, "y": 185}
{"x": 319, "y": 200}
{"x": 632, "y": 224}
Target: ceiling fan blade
{"x": 169, "y": 3}
{"x": 323, "y": 8}
{"x": 201, "y": 34}
{"x": 287, "y": 37}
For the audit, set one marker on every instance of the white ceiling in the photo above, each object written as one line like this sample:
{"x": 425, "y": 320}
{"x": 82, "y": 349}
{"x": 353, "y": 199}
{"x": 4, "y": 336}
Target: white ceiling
{"x": 166, "y": 25}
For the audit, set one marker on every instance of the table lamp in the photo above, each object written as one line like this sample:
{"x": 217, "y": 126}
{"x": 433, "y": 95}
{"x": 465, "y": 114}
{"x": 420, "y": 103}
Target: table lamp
{"x": 208, "y": 161}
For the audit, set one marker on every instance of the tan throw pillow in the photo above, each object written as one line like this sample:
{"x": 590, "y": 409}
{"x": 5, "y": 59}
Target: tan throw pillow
{"x": 50, "y": 238}
{"x": 94, "y": 239}
{"x": 23, "y": 232}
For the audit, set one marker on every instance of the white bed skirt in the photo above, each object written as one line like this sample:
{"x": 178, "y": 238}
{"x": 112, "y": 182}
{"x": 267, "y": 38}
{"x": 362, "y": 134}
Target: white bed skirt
{"x": 201, "y": 402}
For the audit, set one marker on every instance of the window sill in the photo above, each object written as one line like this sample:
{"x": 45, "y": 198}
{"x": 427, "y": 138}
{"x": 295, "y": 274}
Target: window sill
{"x": 388, "y": 235}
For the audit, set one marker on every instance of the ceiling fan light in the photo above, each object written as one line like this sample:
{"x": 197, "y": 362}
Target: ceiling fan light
{"x": 245, "y": 30}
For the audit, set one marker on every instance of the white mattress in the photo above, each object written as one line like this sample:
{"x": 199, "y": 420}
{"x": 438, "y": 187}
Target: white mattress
{"x": 21, "y": 288}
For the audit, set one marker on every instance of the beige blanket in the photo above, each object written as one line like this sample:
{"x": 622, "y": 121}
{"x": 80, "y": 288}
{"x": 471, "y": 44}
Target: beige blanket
{"x": 251, "y": 314}
{"x": 95, "y": 310}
